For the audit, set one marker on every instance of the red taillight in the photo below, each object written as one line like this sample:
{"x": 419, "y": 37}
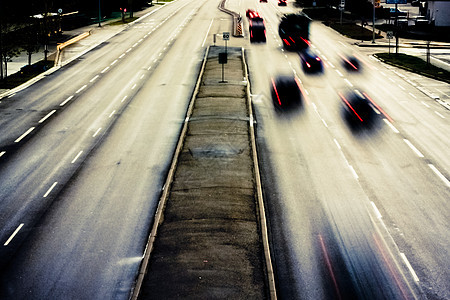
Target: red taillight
{"x": 306, "y": 41}
{"x": 349, "y": 106}
{"x": 308, "y": 65}
{"x": 276, "y": 92}
{"x": 286, "y": 42}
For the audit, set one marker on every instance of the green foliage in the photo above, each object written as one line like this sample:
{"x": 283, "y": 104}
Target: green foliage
{"x": 415, "y": 64}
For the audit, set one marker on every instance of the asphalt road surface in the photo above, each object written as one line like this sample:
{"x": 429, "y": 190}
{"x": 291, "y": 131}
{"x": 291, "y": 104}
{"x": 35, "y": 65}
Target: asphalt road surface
{"x": 351, "y": 213}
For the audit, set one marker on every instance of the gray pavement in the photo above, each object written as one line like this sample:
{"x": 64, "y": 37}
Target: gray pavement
{"x": 208, "y": 244}
{"x": 97, "y": 35}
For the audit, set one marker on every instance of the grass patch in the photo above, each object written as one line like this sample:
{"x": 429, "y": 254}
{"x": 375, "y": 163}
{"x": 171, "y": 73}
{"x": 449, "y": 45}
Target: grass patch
{"x": 26, "y": 73}
{"x": 354, "y": 31}
{"x": 415, "y": 64}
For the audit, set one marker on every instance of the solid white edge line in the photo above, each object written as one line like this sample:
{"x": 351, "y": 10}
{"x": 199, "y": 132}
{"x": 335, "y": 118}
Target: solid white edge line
{"x": 13, "y": 235}
{"x": 410, "y": 268}
{"x": 391, "y": 126}
{"x": 337, "y": 144}
{"x": 67, "y": 100}
{"x": 47, "y": 116}
{"x": 24, "y": 135}
{"x": 353, "y": 171}
{"x": 439, "y": 174}
{"x": 413, "y": 148}
{"x": 207, "y": 32}
{"x": 377, "y": 212}
{"x": 76, "y": 157}
{"x": 50, "y": 189}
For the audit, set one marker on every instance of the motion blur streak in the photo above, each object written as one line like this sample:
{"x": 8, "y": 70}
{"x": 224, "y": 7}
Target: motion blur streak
{"x": 276, "y": 92}
{"x": 391, "y": 268}
{"x": 349, "y": 62}
{"x": 348, "y": 104}
{"x": 306, "y": 41}
{"x": 330, "y": 269}
{"x": 363, "y": 61}
{"x": 379, "y": 108}
{"x": 304, "y": 94}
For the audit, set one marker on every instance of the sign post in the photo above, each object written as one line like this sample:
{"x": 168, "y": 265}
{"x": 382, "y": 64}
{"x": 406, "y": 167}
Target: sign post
{"x": 223, "y": 57}
{"x": 389, "y": 35}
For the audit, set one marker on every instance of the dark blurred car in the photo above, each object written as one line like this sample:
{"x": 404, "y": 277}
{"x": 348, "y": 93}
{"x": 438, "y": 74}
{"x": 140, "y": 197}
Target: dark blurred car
{"x": 311, "y": 62}
{"x": 286, "y": 92}
{"x": 282, "y": 3}
{"x": 351, "y": 63}
{"x": 263, "y": 1}
{"x": 358, "y": 109}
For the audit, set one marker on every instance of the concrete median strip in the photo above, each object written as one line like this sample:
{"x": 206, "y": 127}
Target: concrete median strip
{"x": 208, "y": 238}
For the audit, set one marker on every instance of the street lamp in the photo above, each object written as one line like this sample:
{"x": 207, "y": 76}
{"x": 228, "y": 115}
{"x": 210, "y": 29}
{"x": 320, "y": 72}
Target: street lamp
{"x": 373, "y": 22}
{"x": 99, "y": 14}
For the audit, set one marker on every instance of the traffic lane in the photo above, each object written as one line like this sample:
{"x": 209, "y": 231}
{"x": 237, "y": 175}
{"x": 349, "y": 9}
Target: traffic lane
{"x": 25, "y": 108}
{"x": 73, "y": 133}
{"x": 311, "y": 174}
{"x": 389, "y": 159}
{"x": 141, "y": 134}
{"x": 392, "y": 89}
{"x": 283, "y": 267}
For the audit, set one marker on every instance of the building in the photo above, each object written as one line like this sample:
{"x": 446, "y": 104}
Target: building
{"x": 438, "y": 12}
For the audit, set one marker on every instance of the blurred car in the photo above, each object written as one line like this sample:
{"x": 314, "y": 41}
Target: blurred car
{"x": 393, "y": 12}
{"x": 285, "y": 91}
{"x": 263, "y": 1}
{"x": 311, "y": 62}
{"x": 358, "y": 109}
{"x": 282, "y": 3}
{"x": 351, "y": 63}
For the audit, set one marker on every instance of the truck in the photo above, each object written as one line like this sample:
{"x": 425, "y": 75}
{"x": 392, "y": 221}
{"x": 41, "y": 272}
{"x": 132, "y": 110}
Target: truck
{"x": 294, "y": 31}
{"x": 256, "y": 27}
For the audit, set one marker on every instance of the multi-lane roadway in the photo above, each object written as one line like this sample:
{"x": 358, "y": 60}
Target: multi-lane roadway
{"x": 86, "y": 151}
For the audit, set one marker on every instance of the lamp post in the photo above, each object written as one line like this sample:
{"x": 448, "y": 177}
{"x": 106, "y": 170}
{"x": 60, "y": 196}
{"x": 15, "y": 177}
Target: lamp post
{"x": 99, "y": 14}
{"x": 373, "y": 22}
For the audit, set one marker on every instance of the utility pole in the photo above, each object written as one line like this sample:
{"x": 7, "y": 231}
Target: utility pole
{"x": 99, "y": 13}
{"x": 373, "y": 22}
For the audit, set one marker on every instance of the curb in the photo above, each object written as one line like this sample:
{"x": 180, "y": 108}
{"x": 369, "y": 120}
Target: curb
{"x": 423, "y": 90}
{"x": 262, "y": 212}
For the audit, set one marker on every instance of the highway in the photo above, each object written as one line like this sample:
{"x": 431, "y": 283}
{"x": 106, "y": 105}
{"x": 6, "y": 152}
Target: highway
{"x": 352, "y": 213}
{"x": 359, "y": 200}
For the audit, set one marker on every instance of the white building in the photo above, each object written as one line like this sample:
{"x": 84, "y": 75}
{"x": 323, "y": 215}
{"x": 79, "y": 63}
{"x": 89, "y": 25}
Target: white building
{"x": 439, "y": 12}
